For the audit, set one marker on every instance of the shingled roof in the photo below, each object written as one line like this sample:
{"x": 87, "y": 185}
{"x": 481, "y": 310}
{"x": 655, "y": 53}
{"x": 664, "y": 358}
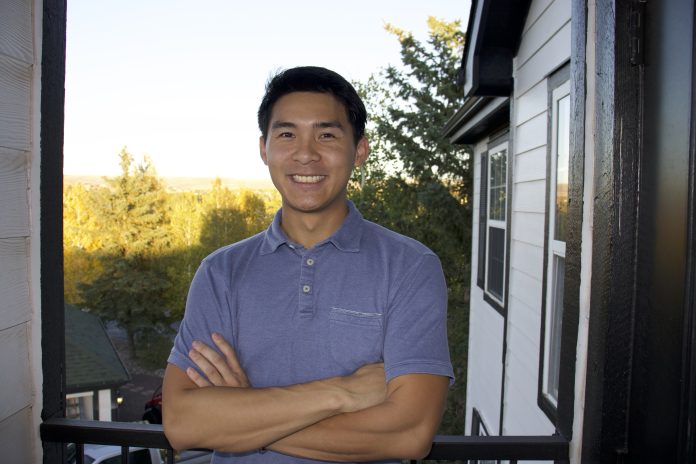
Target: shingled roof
{"x": 91, "y": 361}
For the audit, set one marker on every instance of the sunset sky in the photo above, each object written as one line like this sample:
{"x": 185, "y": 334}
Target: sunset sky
{"x": 181, "y": 80}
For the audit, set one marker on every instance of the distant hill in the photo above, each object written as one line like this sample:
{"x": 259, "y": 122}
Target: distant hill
{"x": 182, "y": 184}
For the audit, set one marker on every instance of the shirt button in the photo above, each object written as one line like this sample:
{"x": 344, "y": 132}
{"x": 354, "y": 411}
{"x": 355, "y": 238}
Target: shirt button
{"x": 306, "y": 288}
{"x": 310, "y": 262}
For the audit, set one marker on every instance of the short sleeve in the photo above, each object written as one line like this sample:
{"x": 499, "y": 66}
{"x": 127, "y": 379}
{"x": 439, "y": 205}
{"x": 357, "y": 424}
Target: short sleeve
{"x": 207, "y": 311}
{"x": 415, "y": 339}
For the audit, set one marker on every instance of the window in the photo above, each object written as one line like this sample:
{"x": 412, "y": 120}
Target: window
{"x": 555, "y": 243}
{"x": 493, "y": 211}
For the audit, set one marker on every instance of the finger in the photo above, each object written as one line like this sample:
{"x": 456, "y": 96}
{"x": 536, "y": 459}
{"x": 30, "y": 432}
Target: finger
{"x": 197, "y": 378}
{"x": 231, "y": 358}
{"x": 208, "y": 369}
{"x": 215, "y": 359}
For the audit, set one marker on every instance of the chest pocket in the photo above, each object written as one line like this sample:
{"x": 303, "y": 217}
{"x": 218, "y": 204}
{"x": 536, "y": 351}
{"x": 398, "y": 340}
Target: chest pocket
{"x": 356, "y": 338}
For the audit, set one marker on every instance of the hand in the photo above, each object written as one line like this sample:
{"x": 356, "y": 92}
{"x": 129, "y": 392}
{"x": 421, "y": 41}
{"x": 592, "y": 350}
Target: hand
{"x": 220, "y": 371}
{"x": 366, "y": 387}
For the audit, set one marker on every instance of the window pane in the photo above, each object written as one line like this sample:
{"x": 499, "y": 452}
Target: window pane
{"x": 497, "y": 185}
{"x": 554, "y": 326}
{"x": 562, "y": 155}
{"x": 496, "y": 261}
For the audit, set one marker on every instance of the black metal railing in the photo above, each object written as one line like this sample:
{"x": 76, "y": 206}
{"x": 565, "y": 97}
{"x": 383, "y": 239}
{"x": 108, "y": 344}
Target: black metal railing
{"x": 445, "y": 447}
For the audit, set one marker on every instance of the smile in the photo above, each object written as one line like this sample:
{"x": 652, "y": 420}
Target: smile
{"x": 307, "y": 179}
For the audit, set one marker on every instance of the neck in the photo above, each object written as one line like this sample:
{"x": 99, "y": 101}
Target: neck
{"x": 308, "y": 229}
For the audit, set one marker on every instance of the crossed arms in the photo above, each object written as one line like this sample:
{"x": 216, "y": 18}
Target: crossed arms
{"x": 354, "y": 418}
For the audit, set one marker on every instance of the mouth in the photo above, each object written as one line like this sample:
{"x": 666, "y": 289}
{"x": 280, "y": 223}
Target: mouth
{"x": 307, "y": 179}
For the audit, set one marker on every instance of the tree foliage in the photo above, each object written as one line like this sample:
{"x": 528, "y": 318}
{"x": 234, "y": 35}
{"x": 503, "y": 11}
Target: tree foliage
{"x": 416, "y": 182}
{"x": 131, "y": 288}
{"x": 131, "y": 247}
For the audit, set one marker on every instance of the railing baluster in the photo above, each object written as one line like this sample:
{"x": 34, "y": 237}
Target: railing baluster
{"x": 80, "y": 453}
{"x": 124, "y": 455}
{"x": 170, "y": 456}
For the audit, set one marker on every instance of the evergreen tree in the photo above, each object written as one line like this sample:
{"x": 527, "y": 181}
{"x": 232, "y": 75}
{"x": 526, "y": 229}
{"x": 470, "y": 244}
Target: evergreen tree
{"x": 132, "y": 287}
{"x": 416, "y": 182}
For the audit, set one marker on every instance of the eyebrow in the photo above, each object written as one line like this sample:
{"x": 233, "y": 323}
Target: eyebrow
{"x": 316, "y": 125}
{"x": 282, "y": 125}
{"x": 328, "y": 125}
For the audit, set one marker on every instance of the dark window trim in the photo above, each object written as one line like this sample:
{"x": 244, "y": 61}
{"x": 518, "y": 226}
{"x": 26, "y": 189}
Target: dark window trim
{"x": 576, "y": 178}
{"x": 501, "y": 136}
{"x": 51, "y": 217}
{"x": 687, "y": 438}
{"x": 483, "y": 207}
{"x": 554, "y": 81}
{"x": 477, "y": 424}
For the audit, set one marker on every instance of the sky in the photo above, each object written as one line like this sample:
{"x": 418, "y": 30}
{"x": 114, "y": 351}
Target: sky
{"x": 180, "y": 80}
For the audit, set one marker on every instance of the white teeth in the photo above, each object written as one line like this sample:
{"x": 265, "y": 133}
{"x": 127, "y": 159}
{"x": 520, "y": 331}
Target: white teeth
{"x": 307, "y": 179}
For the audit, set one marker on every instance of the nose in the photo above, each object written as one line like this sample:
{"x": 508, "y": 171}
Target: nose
{"x": 306, "y": 151}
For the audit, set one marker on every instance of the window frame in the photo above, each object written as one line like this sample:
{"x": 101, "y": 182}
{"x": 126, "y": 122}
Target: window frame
{"x": 496, "y": 144}
{"x": 558, "y": 89}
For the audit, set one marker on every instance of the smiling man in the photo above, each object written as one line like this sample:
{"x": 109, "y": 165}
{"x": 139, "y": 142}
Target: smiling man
{"x": 324, "y": 337}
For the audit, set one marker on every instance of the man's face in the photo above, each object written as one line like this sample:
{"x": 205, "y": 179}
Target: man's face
{"x": 310, "y": 151}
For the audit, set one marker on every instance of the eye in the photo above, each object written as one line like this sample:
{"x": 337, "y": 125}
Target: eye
{"x": 327, "y": 135}
{"x": 285, "y": 135}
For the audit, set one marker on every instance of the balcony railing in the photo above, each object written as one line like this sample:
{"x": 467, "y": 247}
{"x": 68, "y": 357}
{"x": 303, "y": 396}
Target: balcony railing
{"x": 445, "y": 447}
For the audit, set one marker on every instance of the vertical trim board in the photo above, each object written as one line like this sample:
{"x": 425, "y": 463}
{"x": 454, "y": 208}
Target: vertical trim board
{"x": 51, "y": 222}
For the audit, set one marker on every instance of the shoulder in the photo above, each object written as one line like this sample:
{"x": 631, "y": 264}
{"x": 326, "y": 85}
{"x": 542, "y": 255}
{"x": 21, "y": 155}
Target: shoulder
{"x": 235, "y": 253}
{"x": 375, "y": 235}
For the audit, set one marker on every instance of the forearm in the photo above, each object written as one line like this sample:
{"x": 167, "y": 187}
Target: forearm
{"x": 363, "y": 436}
{"x": 243, "y": 419}
{"x": 400, "y": 428}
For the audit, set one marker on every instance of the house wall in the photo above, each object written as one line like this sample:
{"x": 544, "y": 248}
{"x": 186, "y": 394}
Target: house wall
{"x": 19, "y": 149}
{"x": 485, "y": 368}
{"x": 544, "y": 47}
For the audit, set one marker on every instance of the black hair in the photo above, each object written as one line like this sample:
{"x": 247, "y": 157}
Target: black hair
{"x": 313, "y": 79}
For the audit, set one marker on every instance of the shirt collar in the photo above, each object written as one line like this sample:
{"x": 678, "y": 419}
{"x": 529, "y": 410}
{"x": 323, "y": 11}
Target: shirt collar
{"x": 346, "y": 238}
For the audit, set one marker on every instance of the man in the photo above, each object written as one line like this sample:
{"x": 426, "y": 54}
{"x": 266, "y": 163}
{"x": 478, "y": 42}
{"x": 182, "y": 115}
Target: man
{"x": 329, "y": 331}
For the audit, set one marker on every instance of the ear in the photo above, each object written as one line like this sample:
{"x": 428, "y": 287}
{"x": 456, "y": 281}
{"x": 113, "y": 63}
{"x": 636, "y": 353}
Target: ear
{"x": 362, "y": 150}
{"x": 262, "y": 150}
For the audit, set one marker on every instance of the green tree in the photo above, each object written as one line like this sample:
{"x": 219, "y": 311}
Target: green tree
{"x": 186, "y": 215}
{"x": 80, "y": 240}
{"x": 416, "y": 181}
{"x": 223, "y": 219}
{"x": 132, "y": 288}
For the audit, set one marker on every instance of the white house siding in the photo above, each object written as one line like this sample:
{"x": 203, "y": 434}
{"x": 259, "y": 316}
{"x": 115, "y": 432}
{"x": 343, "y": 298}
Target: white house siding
{"x": 485, "y": 368}
{"x": 544, "y": 47}
{"x": 18, "y": 74}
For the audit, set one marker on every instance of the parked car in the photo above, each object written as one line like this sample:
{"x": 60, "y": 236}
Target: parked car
{"x": 153, "y": 408}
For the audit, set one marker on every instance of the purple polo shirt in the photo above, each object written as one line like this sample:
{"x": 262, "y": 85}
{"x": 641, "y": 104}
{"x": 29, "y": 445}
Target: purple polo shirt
{"x": 293, "y": 315}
